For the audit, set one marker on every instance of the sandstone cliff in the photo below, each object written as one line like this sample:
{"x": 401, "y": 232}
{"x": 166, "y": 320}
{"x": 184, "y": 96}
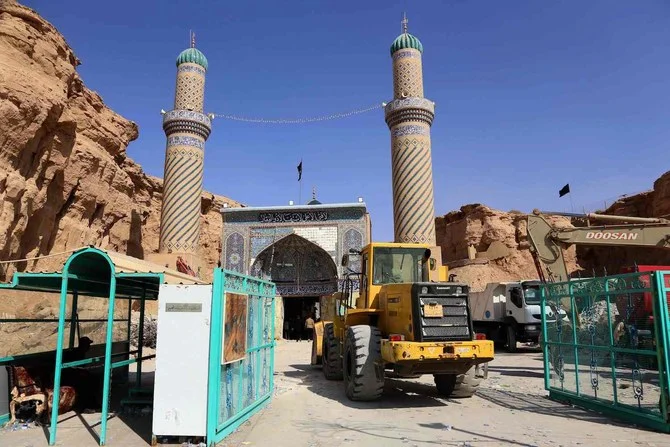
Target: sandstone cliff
{"x": 65, "y": 178}
{"x": 500, "y": 233}
{"x": 482, "y": 228}
{"x": 652, "y": 203}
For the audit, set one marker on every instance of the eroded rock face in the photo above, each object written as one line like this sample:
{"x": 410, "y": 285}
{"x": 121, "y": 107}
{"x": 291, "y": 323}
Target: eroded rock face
{"x": 652, "y": 203}
{"x": 65, "y": 178}
{"x": 480, "y": 226}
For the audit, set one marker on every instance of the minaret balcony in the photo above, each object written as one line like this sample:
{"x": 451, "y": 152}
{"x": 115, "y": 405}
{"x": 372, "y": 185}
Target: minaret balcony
{"x": 187, "y": 121}
{"x": 409, "y": 109}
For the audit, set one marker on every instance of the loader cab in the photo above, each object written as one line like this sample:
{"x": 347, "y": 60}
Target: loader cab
{"x": 388, "y": 263}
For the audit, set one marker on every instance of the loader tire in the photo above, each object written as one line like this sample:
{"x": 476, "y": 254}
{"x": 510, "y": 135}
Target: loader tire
{"x": 330, "y": 357}
{"x": 467, "y": 384}
{"x": 363, "y": 365}
{"x": 445, "y": 384}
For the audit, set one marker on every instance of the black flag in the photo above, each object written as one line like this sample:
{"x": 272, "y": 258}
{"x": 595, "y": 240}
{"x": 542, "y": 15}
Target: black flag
{"x": 564, "y": 190}
{"x": 300, "y": 171}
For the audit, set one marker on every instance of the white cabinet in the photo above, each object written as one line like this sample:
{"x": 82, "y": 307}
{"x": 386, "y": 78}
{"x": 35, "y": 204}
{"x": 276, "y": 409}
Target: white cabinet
{"x": 182, "y": 359}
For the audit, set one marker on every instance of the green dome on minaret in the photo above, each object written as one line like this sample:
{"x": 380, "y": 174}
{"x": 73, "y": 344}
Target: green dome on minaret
{"x": 192, "y": 55}
{"x": 406, "y": 40}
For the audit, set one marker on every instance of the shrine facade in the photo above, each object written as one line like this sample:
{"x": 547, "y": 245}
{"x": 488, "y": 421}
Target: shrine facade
{"x": 298, "y": 247}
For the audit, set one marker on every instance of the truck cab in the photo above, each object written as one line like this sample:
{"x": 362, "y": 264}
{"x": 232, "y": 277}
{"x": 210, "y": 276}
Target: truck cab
{"x": 510, "y": 312}
{"x": 523, "y": 306}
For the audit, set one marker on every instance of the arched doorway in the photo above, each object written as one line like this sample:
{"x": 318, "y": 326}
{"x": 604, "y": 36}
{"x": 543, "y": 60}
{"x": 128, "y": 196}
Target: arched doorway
{"x": 303, "y": 272}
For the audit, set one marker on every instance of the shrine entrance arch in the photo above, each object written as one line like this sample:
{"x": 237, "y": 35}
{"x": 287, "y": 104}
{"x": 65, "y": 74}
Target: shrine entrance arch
{"x": 303, "y": 272}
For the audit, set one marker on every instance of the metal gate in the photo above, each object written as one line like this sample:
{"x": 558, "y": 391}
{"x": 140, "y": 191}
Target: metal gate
{"x": 610, "y": 350}
{"x": 241, "y": 363}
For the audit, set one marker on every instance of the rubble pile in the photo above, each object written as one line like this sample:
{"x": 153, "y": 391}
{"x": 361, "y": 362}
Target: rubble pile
{"x": 594, "y": 329}
{"x": 150, "y": 329}
{"x": 596, "y": 315}
{"x": 482, "y": 245}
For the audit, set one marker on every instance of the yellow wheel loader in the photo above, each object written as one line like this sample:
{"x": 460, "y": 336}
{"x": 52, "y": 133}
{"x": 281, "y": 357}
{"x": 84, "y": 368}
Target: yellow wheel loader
{"x": 405, "y": 321}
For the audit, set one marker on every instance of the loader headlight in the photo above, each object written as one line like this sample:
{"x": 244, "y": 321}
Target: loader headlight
{"x": 459, "y": 290}
{"x": 424, "y": 290}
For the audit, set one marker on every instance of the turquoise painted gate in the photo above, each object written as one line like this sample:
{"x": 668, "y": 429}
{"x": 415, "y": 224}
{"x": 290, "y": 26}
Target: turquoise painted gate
{"x": 609, "y": 349}
{"x": 241, "y": 362}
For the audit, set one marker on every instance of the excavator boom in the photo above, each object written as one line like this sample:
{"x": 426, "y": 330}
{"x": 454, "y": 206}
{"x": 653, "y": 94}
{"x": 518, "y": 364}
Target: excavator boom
{"x": 547, "y": 241}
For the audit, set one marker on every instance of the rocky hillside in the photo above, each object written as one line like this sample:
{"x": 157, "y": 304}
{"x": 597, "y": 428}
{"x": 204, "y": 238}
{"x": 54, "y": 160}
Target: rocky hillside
{"x": 65, "y": 178}
{"x": 499, "y": 240}
{"x": 652, "y": 203}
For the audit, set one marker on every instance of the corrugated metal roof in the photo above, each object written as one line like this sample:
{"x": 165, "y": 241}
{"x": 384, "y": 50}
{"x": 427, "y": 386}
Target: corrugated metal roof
{"x": 128, "y": 264}
{"x": 88, "y": 274}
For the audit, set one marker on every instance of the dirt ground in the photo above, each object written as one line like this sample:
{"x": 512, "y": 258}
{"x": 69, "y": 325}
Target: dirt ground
{"x": 308, "y": 411}
{"x": 511, "y": 409}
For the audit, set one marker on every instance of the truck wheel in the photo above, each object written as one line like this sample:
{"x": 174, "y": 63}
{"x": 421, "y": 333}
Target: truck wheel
{"x": 468, "y": 383}
{"x": 363, "y": 365}
{"x": 511, "y": 338}
{"x": 445, "y": 384}
{"x": 330, "y": 357}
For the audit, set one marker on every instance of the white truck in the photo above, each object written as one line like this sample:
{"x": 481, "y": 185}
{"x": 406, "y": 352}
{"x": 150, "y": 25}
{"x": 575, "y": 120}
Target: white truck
{"x": 509, "y": 312}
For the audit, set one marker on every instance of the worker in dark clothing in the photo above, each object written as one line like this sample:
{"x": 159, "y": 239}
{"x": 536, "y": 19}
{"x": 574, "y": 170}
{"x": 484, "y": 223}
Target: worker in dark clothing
{"x": 297, "y": 324}
{"x": 78, "y": 353}
{"x": 86, "y": 382}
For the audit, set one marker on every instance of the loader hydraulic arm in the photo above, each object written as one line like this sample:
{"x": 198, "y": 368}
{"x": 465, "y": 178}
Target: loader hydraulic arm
{"x": 547, "y": 241}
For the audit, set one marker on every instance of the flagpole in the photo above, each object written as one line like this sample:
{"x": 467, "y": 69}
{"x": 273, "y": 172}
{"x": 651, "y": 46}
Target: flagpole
{"x": 566, "y": 191}
{"x": 300, "y": 182}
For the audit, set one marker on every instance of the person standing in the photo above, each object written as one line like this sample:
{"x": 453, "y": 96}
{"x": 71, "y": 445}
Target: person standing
{"x": 309, "y": 327}
{"x": 297, "y": 328}
{"x": 287, "y": 329}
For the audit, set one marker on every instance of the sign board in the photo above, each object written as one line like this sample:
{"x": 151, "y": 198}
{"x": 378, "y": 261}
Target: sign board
{"x": 234, "y": 327}
{"x": 183, "y": 307}
{"x": 295, "y": 216}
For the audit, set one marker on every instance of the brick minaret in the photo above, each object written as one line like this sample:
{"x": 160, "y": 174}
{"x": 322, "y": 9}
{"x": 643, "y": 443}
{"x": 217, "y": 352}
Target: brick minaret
{"x": 409, "y": 117}
{"x": 186, "y": 128}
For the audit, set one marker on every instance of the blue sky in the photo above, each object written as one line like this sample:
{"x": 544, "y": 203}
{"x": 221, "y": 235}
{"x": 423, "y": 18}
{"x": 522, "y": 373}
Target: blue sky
{"x": 530, "y": 94}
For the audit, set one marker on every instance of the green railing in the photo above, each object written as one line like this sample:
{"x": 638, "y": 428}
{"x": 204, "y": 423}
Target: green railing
{"x": 607, "y": 349}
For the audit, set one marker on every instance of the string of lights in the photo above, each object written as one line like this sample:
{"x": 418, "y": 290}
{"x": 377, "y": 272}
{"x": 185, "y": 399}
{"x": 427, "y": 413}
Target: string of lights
{"x": 298, "y": 120}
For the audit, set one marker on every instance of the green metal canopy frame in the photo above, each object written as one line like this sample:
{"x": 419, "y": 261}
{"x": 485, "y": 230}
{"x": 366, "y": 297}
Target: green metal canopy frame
{"x": 97, "y": 273}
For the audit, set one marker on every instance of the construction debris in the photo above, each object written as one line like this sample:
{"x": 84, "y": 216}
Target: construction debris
{"x": 149, "y": 330}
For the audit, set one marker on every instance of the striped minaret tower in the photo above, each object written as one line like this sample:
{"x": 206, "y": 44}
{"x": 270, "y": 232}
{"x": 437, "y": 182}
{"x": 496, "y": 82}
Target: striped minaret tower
{"x": 186, "y": 128}
{"x": 409, "y": 117}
